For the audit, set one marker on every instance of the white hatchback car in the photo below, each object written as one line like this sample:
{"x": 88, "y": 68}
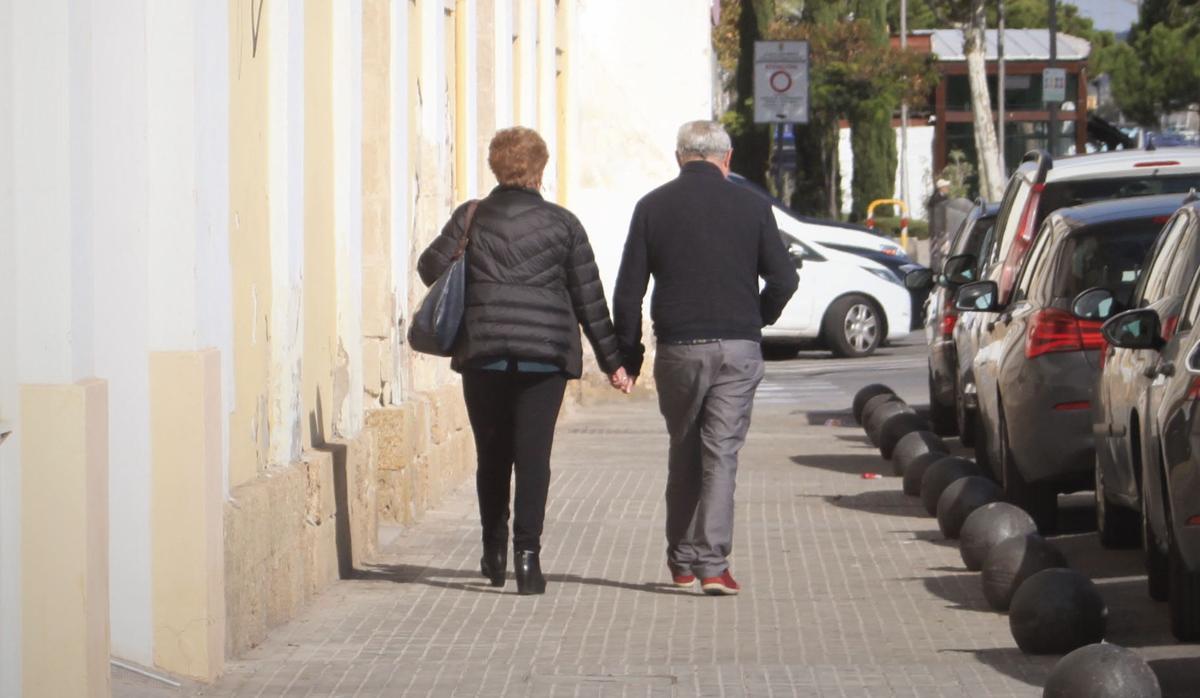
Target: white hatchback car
{"x": 845, "y": 303}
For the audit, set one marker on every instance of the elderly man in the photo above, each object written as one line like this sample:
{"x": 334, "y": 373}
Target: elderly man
{"x": 706, "y": 241}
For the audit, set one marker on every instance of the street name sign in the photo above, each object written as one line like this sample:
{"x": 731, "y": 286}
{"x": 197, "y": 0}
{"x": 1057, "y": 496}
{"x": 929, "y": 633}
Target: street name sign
{"x": 781, "y": 82}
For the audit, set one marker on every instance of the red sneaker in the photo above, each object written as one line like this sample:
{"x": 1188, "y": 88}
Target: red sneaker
{"x": 720, "y": 586}
{"x": 682, "y": 580}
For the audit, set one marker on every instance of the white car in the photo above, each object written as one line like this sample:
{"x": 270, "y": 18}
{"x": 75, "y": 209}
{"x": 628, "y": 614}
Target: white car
{"x": 845, "y": 303}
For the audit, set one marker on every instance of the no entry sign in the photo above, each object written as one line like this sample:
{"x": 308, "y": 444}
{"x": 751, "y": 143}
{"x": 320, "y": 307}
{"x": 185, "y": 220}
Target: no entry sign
{"x": 781, "y": 82}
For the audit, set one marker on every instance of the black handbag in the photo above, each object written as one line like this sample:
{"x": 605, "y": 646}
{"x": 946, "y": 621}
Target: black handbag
{"x": 436, "y": 324}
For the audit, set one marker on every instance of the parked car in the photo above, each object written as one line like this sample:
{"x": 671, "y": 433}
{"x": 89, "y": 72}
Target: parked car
{"x": 1044, "y": 361}
{"x": 1040, "y": 186}
{"x": 1170, "y": 447}
{"x": 1128, "y": 378}
{"x": 941, "y": 316}
{"x": 844, "y": 237}
{"x": 845, "y": 303}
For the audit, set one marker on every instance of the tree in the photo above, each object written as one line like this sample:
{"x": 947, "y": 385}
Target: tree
{"x": 872, "y": 139}
{"x": 1158, "y": 70}
{"x": 991, "y": 175}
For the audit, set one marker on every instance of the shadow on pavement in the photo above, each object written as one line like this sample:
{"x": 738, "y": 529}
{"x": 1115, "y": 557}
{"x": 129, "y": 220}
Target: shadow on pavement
{"x": 849, "y": 463}
{"x": 964, "y": 590}
{"x": 1178, "y": 677}
{"x": 858, "y": 439}
{"x": 458, "y": 580}
{"x": 1084, "y": 553}
{"x": 1011, "y": 662}
{"x": 890, "y": 502}
{"x": 930, "y": 536}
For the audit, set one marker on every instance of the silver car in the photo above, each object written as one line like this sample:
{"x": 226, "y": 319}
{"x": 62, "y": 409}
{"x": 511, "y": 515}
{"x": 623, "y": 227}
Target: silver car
{"x": 1043, "y": 367}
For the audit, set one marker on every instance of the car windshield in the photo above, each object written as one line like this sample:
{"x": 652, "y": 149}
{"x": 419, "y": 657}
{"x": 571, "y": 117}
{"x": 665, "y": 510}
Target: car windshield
{"x": 971, "y": 241}
{"x": 1074, "y": 192}
{"x": 1108, "y": 255}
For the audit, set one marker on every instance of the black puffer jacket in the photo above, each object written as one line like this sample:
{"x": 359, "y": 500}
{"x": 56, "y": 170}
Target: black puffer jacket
{"x": 532, "y": 282}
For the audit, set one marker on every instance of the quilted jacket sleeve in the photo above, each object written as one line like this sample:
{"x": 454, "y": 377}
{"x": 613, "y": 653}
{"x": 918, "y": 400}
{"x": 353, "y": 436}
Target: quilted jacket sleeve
{"x": 437, "y": 257}
{"x": 587, "y": 297}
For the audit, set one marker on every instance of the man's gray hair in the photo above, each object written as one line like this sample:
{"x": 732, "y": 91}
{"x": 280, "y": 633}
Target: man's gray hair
{"x": 702, "y": 139}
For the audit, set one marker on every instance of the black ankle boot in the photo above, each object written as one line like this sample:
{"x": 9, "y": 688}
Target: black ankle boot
{"x": 494, "y": 563}
{"x": 528, "y": 573}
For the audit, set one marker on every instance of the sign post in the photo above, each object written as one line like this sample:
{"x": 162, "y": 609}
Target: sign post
{"x": 1054, "y": 85}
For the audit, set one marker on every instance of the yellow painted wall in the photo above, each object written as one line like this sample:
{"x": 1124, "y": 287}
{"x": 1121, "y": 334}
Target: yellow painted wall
{"x": 320, "y": 276}
{"x": 64, "y": 540}
{"x": 249, "y": 240}
{"x": 186, "y": 511}
{"x": 378, "y": 299}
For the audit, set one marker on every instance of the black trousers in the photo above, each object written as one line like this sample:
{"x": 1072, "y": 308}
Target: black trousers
{"x": 513, "y": 417}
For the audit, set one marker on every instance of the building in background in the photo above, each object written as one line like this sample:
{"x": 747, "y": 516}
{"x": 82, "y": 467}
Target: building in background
{"x": 209, "y": 217}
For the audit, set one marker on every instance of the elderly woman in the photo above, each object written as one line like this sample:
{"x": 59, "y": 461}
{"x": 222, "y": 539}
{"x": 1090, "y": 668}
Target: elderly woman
{"x": 531, "y": 283}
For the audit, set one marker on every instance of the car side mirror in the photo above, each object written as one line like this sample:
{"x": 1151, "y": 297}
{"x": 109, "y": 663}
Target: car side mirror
{"x": 959, "y": 269}
{"x": 1095, "y": 304}
{"x": 803, "y": 253}
{"x": 980, "y": 296}
{"x": 918, "y": 279}
{"x": 1134, "y": 329}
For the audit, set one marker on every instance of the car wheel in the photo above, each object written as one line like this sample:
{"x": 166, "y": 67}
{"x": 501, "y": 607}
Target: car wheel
{"x": 1039, "y": 501}
{"x": 1117, "y": 526}
{"x": 853, "y": 327}
{"x": 943, "y": 418}
{"x": 965, "y": 420}
{"x": 1156, "y": 560}
{"x": 1183, "y": 596}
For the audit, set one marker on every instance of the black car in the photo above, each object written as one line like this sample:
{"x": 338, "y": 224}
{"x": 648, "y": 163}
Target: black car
{"x": 941, "y": 316}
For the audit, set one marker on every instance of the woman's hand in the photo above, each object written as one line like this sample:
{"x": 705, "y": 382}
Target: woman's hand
{"x": 621, "y": 380}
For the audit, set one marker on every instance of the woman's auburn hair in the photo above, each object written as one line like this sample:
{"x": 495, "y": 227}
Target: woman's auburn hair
{"x": 517, "y": 156}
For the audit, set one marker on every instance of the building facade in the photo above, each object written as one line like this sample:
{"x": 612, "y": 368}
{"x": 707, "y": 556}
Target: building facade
{"x": 210, "y": 214}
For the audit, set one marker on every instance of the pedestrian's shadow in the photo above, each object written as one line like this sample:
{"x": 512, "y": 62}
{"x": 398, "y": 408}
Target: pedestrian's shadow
{"x": 849, "y": 463}
{"x": 1010, "y": 661}
{"x": 467, "y": 580}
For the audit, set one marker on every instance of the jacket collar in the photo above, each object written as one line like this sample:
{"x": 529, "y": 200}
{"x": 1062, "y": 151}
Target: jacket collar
{"x": 701, "y": 167}
{"x": 502, "y": 188}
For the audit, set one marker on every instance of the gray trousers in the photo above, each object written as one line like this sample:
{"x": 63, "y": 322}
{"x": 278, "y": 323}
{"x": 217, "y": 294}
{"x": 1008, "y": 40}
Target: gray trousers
{"x": 705, "y": 394}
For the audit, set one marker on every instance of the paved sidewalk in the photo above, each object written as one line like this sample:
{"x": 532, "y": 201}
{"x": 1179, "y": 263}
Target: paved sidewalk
{"x": 848, "y": 590}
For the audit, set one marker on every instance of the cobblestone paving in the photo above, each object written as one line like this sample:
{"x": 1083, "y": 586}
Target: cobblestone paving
{"x": 848, "y": 590}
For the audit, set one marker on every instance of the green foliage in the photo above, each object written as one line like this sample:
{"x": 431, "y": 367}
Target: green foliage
{"x": 959, "y": 173}
{"x": 1158, "y": 69}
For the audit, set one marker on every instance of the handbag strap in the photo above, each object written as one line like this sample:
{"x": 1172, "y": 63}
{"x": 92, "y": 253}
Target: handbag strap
{"x": 466, "y": 238}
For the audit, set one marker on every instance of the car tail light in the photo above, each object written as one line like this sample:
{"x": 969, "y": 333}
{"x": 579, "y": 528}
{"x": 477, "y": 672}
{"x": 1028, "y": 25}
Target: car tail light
{"x": 1053, "y": 330}
{"x": 1160, "y": 220}
{"x": 1169, "y": 327}
{"x": 1026, "y": 229}
{"x": 1194, "y": 521}
{"x": 1193, "y": 392}
{"x": 949, "y": 317}
{"x": 1158, "y": 163}
{"x": 1077, "y": 405}
{"x": 1103, "y": 350}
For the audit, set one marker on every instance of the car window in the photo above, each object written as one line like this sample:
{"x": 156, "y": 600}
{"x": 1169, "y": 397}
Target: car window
{"x": 1032, "y": 262}
{"x": 1154, "y": 285}
{"x": 973, "y": 239}
{"x": 1109, "y": 256}
{"x": 1015, "y": 197}
{"x": 1058, "y": 195}
{"x": 1191, "y": 311}
{"x": 1184, "y": 259}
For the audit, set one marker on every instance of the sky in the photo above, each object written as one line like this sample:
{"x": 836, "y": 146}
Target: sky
{"x": 1110, "y": 15}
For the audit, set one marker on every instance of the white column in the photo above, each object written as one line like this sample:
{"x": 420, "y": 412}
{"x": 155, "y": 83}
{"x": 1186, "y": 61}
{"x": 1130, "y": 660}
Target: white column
{"x": 470, "y": 110}
{"x": 118, "y": 132}
{"x": 187, "y": 141}
{"x": 527, "y": 28}
{"x": 10, "y": 476}
{"x": 547, "y": 90}
{"x": 286, "y": 146}
{"x": 347, "y": 209}
{"x": 505, "y": 23}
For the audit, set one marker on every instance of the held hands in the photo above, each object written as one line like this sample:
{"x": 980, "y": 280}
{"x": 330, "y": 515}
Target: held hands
{"x": 622, "y": 381}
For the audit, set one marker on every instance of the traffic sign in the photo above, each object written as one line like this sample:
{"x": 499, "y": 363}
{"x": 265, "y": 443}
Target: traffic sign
{"x": 1054, "y": 84}
{"x": 781, "y": 82}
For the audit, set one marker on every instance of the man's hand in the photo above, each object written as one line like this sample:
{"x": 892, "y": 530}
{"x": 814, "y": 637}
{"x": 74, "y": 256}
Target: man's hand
{"x": 621, "y": 380}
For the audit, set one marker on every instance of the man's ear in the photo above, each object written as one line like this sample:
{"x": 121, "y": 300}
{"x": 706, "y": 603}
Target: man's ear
{"x": 725, "y": 163}
{"x": 678, "y": 159}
